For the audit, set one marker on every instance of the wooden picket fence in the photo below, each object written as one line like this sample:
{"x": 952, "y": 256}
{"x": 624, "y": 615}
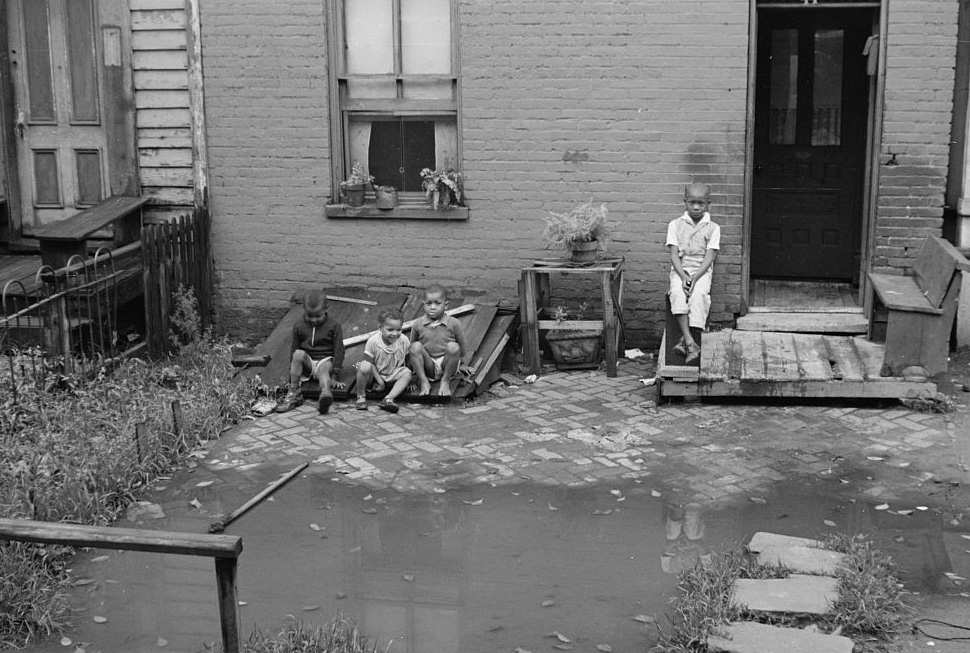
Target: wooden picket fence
{"x": 175, "y": 254}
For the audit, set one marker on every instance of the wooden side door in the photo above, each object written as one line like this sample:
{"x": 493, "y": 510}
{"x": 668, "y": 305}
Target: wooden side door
{"x": 811, "y": 112}
{"x": 59, "y": 110}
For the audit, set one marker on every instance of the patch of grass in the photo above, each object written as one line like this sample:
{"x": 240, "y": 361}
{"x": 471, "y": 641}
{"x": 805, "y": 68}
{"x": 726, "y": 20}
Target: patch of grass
{"x": 68, "y": 454}
{"x": 870, "y": 597}
{"x": 339, "y": 636}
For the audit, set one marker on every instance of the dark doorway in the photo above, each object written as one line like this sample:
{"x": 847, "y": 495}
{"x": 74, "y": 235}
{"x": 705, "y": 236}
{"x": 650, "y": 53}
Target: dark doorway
{"x": 811, "y": 113}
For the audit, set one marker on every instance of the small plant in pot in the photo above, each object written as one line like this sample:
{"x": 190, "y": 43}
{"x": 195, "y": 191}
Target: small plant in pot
{"x": 387, "y": 197}
{"x": 353, "y": 188}
{"x": 582, "y": 230}
{"x": 443, "y": 189}
{"x": 574, "y": 347}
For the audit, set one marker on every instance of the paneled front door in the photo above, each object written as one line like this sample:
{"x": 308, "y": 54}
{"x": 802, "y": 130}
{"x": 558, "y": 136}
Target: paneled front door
{"x": 810, "y": 140}
{"x": 54, "y": 51}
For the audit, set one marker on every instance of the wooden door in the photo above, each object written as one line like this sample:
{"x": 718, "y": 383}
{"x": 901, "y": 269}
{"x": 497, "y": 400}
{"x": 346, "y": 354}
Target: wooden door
{"x": 811, "y": 114}
{"x": 59, "y": 118}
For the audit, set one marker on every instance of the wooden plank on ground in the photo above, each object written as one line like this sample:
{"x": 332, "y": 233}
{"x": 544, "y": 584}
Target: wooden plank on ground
{"x": 813, "y": 357}
{"x": 882, "y": 389}
{"x": 714, "y": 355}
{"x": 751, "y": 344}
{"x": 734, "y": 356}
{"x": 845, "y": 359}
{"x": 871, "y": 356}
{"x": 780, "y": 362}
{"x": 479, "y": 323}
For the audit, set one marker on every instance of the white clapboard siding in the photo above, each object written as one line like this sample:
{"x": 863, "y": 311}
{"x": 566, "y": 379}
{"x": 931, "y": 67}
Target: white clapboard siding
{"x": 162, "y": 106}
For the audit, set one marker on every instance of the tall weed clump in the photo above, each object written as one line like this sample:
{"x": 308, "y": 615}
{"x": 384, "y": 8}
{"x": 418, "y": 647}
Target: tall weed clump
{"x": 68, "y": 453}
{"x": 339, "y": 636}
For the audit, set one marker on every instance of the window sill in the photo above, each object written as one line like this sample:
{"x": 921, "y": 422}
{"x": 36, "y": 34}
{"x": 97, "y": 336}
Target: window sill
{"x": 403, "y": 212}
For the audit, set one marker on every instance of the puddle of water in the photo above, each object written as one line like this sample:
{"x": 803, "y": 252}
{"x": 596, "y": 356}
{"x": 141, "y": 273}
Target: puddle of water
{"x": 473, "y": 570}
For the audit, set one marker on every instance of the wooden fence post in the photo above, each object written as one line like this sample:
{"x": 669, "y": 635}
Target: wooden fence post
{"x": 61, "y": 344}
{"x": 226, "y": 582}
{"x": 141, "y": 440}
{"x": 177, "y": 418}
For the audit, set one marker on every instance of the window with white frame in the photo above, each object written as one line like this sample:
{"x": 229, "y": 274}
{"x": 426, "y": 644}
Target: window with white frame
{"x": 396, "y": 89}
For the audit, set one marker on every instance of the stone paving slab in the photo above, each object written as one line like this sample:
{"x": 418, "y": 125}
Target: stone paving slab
{"x": 762, "y": 540}
{"x": 750, "y": 637}
{"x": 797, "y": 593}
{"x": 803, "y": 559}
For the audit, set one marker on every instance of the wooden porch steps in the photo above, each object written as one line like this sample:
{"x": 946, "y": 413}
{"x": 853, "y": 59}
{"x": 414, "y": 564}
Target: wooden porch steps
{"x": 842, "y": 322}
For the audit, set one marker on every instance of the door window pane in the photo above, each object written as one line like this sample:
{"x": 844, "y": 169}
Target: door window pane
{"x": 827, "y": 94}
{"x": 38, "y": 52}
{"x": 47, "y": 190}
{"x": 426, "y": 37}
{"x": 79, "y": 31}
{"x": 88, "y": 164}
{"x": 369, "y": 26}
{"x": 784, "y": 87}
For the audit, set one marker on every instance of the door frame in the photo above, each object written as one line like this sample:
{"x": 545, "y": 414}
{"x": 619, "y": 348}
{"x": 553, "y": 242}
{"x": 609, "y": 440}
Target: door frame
{"x": 873, "y": 146}
{"x": 9, "y": 175}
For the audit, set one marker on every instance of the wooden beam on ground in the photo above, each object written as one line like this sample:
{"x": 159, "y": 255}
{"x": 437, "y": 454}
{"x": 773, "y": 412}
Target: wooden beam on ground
{"x": 355, "y": 340}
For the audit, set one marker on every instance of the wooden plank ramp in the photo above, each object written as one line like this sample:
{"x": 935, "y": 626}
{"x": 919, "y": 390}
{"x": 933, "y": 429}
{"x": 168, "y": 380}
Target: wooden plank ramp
{"x": 775, "y": 364}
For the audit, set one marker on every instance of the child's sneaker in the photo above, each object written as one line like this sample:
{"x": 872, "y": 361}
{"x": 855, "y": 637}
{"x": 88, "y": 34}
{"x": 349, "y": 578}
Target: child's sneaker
{"x": 681, "y": 347}
{"x": 388, "y": 405}
{"x": 324, "y": 403}
{"x": 293, "y": 399}
{"x": 361, "y": 403}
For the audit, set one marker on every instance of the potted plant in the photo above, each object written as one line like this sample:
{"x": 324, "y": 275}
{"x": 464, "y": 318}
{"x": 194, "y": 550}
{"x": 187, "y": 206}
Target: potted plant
{"x": 443, "y": 189}
{"x": 581, "y": 231}
{"x": 387, "y": 197}
{"x": 574, "y": 347}
{"x": 353, "y": 188}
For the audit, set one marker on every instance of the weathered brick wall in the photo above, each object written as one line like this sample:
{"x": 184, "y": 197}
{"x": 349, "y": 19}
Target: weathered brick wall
{"x": 917, "y": 122}
{"x": 563, "y": 100}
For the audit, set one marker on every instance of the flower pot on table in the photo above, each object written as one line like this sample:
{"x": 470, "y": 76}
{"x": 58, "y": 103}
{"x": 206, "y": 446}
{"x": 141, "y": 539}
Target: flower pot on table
{"x": 584, "y": 252}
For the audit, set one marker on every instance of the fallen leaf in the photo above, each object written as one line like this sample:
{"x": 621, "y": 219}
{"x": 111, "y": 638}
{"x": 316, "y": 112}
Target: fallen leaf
{"x": 615, "y": 493}
{"x": 519, "y": 649}
{"x": 606, "y": 648}
{"x": 310, "y": 608}
{"x": 562, "y": 647}
{"x": 654, "y": 493}
{"x": 368, "y": 497}
{"x": 243, "y": 603}
{"x": 196, "y": 504}
{"x": 552, "y": 507}
{"x": 66, "y": 641}
{"x": 99, "y": 558}
{"x": 370, "y": 511}
{"x": 829, "y": 522}
{"x": 162, "y": 642}
{"x": 603, "y": 512}
{"x": 473, "y": 503}
{"x": 644, "y": 619}
{"x": 315, "y": 527}
{"x": 757, "y": 500}
{"x": 355, "y": 549}
{"x": 844, "y": 481}
{"x": 548, "y": 603}
{"x": 882, "y": 506}
{"x": 204, "y": 483}
{"x": 516, "y": 494}
{"x": 922, "y": 508}
{"x": 83, "y": 581}
{"x": 620, "y": 499}
{"x": 408, "y": 577}
{"x": 904, "y": 512}
{"x": 903, "y": 465}
{"x": 558, "y": 635}
{"x": 876, "y": 458}
{"x": 98, "y": 619}
{"x": 341, "y": 595}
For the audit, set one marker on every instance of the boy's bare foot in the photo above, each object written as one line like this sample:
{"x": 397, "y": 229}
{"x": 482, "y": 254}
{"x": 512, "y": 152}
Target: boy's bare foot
{"x": 424, "y": 390}
{"x": 444, "y": 390}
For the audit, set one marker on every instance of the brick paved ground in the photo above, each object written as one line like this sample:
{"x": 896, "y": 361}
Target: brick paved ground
{"x": 582, "y": 428}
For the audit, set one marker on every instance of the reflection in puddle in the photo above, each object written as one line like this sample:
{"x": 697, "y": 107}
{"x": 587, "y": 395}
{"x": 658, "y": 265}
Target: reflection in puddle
{"x": 476, "y": 569}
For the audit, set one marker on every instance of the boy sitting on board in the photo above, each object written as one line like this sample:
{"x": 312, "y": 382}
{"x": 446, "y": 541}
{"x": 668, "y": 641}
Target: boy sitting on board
{"x": 693, "y": 241}
{"x": 318, "y": 352}
{"x": 437, "y": 343}
{"x": 385, "y": 356}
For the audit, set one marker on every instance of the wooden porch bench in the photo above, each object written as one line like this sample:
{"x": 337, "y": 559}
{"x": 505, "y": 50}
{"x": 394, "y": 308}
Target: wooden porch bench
{"x": 61, "y": 240}
{"x": 914, "y": 314}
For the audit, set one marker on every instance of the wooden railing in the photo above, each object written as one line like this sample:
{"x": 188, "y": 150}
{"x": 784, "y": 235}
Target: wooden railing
{"x": 224, "y": 548}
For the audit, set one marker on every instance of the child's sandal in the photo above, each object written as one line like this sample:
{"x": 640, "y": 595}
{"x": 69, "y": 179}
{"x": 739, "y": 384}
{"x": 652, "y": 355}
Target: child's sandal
{"x": 388, "y": 405}
{"x": 361, "y": 403}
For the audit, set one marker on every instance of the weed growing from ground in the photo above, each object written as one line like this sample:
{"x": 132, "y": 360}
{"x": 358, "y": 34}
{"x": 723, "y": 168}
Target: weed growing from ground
{"x": 339, "y": 636}
{"x": 68, "y": 454}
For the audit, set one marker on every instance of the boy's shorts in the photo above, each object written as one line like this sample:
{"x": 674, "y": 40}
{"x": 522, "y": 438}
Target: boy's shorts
{"x": 438, "y": 362}
{"x": 389, "y": 378}
{"x": 698, "y": 305}
{"x": 314, "y": 366}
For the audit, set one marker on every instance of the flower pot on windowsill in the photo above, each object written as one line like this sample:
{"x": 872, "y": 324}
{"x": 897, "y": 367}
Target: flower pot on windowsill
{"x": 387, "y": 197}
{"x": 584, "y": 252}
{"x": 352, "y": 194}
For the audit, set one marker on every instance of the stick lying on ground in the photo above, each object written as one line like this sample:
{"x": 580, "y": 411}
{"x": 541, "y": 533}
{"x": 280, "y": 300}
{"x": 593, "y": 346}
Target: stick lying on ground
{"x": 219, "y": 526}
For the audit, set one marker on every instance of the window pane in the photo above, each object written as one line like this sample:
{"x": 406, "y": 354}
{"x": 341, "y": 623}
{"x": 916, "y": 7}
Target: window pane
{"x": 79, "y": 31}
{"x": 370, "y": 36}
{"x": 38, "y": 52}
{"x": 399, "y": 149}
{"x": 426, "y": 37}
{"x": 827, "y": 96}
{"x": 784, "y": 86}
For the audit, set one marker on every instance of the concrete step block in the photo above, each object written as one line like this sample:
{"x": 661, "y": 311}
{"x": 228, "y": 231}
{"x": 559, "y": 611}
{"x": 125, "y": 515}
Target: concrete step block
{"x": 751, "y": 637}
{"x": 798, "y": 593}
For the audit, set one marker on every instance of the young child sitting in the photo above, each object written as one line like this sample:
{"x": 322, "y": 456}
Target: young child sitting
{"x": 318, "y": 352}
{"x": 693, "y": 241}
{"x": 385, "y": 355}
{"x": 437, "y": 342}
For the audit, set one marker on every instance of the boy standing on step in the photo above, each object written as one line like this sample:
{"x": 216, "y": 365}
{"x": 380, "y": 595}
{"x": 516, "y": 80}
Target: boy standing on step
{"x": 318, "y": 352}
{"x": 693, "y": 240}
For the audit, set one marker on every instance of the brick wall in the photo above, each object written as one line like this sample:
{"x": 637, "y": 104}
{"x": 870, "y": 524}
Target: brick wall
{"x": 917, "y": 122}
{"x": 561, "y": 101}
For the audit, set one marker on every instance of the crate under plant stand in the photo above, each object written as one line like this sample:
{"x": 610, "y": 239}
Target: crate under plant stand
{"x": 534, "y": 293}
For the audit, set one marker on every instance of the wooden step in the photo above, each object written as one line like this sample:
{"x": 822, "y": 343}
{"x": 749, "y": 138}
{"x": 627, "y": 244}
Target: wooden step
{"x": 845, "y": 323}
